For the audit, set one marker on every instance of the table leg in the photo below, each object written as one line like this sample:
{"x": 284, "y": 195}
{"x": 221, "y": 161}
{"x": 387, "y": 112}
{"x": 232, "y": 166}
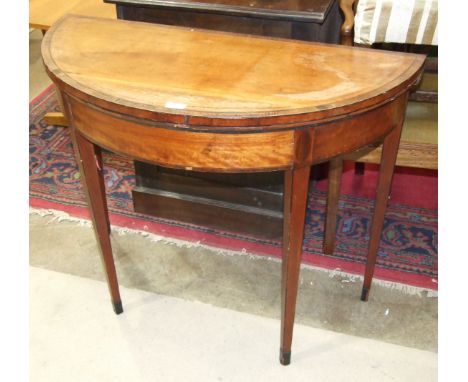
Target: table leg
{"x": 387, "y": 165}
{"x": 335, "y": 171}
{"x": 90, "y": 162}
{"x": 296, "y": 184}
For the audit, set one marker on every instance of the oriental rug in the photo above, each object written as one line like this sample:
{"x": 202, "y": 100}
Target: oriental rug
{"x": 408, "y": 249}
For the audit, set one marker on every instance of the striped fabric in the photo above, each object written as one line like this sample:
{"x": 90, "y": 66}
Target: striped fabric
{"x": 399, "y": 21}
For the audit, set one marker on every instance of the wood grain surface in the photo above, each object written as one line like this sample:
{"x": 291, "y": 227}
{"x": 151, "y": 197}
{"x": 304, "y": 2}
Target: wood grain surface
{"x": 218, "y": 74}
{"x": 184, "y": 149}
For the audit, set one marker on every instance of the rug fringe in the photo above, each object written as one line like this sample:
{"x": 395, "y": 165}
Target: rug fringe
{"x": 60, "y": 216}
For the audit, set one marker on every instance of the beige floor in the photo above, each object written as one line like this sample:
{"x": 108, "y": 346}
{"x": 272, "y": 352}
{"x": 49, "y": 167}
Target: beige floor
{"x": 160, "y": 338}
{"x": 38, "y": 79}
{"x": 76, "y": 336}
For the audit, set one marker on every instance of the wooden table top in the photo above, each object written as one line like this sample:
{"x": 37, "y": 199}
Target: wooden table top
{"x": 219, "y": 75}
{"x": 312, "y": 10}
{"x": 43, "y": 13}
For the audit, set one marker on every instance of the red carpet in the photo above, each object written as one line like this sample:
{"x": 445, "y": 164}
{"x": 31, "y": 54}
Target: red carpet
{"x": 411, "y": 186}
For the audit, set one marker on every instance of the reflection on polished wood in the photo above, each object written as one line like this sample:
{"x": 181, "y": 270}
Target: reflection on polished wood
{"x": 211, "y": 101}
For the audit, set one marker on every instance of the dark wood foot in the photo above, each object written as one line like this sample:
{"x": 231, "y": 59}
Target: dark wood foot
{"x": 365, "y": 294}
{"x": 117, "y": 307}
{"x": 285, "y": 358}
{"x": 90, "y": 163}
{"x": 296, "y": 184}
{"x": 335, "y": 171}
{"x": 359, "y": 168}
{"x": 387, "y": 165}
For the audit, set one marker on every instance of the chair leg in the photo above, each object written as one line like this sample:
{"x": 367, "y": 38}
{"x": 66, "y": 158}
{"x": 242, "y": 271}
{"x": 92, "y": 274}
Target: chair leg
{"x": 335, "y": 171}
{"x": 387, "y": 165}
{"x": 359, "y": 168}
{"x": 296, "y": 184}
{"x": 90, "y": 162}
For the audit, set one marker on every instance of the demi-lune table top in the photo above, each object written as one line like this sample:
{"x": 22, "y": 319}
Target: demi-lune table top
{"x": 219, "y": 75}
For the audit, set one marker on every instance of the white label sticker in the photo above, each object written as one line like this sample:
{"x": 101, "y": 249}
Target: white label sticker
{"x": 175, "y": 105}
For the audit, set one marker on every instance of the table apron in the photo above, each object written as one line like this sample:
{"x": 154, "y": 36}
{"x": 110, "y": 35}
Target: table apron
{"x": 226, "y": 152}
{"x": 350, "y": 134}
{"x": 198, "y": 151}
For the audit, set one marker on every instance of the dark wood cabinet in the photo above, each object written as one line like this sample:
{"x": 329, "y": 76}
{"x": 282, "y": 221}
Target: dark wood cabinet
{"x": 247, "y": 203}
{"x": 309, "y": 20}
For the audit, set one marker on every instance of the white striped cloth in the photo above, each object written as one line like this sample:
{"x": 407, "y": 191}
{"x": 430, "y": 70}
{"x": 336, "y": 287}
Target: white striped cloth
{"x": 399, "y": 21}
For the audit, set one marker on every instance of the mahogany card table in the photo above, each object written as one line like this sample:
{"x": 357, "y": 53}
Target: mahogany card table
{"x": 220, "y": 102}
